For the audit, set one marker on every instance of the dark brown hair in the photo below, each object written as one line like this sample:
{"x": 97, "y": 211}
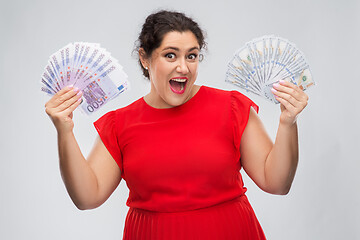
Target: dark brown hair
{"x": 158, "y": 24}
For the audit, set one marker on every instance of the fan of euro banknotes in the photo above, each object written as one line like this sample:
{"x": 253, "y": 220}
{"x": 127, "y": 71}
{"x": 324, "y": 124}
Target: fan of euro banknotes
{"x": 88, "y": 67}
{"x": 264, "y": 61}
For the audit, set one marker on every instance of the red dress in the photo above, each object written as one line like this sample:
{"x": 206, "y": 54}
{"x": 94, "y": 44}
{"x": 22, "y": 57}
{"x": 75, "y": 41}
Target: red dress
{"x": 182, "y": 167}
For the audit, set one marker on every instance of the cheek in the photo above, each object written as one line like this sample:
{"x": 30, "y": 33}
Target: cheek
{"x": 194, "y": 69}
{"x": 160, "y": 75}
{"x": 163, "y": 69}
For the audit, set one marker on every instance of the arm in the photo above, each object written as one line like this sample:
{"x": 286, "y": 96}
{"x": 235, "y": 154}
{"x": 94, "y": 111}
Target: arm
{"x": 272, "y": 166}
{"x": 88, "y": 182}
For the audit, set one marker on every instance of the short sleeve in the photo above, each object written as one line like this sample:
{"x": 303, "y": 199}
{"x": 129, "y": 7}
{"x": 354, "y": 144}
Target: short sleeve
{"x": 107, "y": 128}
{"x": 240, "y": 107}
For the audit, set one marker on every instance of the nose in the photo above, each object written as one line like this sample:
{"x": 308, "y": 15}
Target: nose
{"x": 182, "y": 67}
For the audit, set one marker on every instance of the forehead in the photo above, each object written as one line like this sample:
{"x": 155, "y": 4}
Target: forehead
{"x": 181, "y": 40}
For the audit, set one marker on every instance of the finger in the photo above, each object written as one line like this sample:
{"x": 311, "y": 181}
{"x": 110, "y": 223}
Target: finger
{"x": 297, "y": 88}
{"x": 289, "y": 107}
{"x": 72, "y": 107}
{"x": 290, "y": 89}
{"x": 52, "y": 102}
{"x": 66, "y": 104}
{"x": 63, "y": 91}
{"x": 300, "y": 95}
{"x": 298, "y": 105}
{"x": 289, "y": 84}
{"x": 293, "y": 101}
{"x": 62, "y": 96}
{"x": 293, "y": 109}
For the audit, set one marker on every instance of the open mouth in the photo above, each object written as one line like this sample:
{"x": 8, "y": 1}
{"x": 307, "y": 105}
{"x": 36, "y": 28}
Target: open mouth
{"x": 178, "y": 85}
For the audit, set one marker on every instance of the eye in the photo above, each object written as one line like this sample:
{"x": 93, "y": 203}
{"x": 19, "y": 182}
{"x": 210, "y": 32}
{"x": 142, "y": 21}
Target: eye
{"x": 170, "y": 55}
{"x": 193, "y": 56}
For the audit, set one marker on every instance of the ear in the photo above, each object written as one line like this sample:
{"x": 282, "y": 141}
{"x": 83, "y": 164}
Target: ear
{"x": 143, "y": 58}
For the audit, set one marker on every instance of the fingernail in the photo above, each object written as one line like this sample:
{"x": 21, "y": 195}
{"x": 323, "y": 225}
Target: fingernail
{"x": 79, "y": 93}
{"x": 276, "y": 85}
{"x": 76, "y": 89}
{"x": 282, "y": 81}
{"x": 70, "y": 86}
{"x": 273, "y": 90}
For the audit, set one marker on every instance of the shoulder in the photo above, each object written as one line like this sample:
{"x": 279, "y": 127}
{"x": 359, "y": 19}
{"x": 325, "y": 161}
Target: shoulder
{"x": 222, "y": 92}
{"x": 240, "y": 101}
{"x": 232, "y": 95}
{"x": 216, "y": 91}
{"x": 128, "y": 110}
{"x": 216, "y": 95}
{"x": 134, "y": 106}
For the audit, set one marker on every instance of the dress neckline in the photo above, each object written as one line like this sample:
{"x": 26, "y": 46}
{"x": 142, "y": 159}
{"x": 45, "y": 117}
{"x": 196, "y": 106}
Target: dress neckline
{"x": 184, "y": 105}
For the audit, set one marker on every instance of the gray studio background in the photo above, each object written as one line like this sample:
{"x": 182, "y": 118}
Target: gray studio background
{"x": 324, "y": 200}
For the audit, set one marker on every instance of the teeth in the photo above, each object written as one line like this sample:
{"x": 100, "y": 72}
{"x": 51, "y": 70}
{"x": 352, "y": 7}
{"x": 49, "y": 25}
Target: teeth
{"x": 179, "y": 79}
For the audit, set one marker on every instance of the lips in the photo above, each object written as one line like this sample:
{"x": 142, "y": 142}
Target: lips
{"x": 178, "y": 84}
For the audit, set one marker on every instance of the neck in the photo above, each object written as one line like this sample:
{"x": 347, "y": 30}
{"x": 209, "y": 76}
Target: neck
{"x": 154, "y": 100}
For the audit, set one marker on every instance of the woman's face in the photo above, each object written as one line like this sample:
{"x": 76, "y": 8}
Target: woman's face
{"x": 173, "y": 69}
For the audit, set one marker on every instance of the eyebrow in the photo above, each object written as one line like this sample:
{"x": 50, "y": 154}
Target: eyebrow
{"x": 177, "y": 49}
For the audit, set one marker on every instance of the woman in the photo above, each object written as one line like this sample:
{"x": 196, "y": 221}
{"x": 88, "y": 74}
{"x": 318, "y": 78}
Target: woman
{"x": 179, "y": 147}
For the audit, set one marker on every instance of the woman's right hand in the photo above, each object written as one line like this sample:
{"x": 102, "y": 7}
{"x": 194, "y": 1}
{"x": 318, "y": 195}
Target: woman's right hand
{"x": 61, "y": 106}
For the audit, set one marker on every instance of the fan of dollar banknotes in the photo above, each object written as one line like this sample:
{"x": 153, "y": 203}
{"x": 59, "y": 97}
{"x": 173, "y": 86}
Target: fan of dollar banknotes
{"x": 264, "y": 61}
{"x": 88, "y": 67}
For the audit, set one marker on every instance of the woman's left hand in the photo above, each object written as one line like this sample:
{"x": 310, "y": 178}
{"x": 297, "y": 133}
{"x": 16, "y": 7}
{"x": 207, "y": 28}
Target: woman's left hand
{"x": 292, "y": 101}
